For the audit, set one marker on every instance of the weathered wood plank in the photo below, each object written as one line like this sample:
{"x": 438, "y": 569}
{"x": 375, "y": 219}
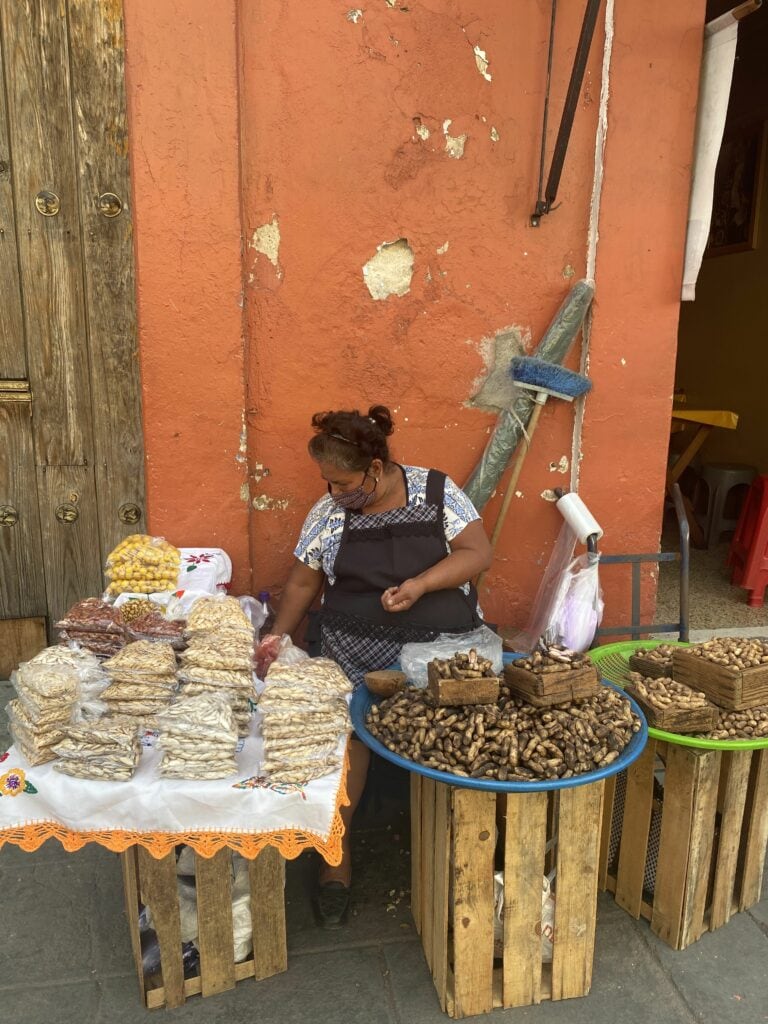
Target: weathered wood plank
{"x": 735, "y": 774}
{"x": 214, "y": 922}
{"x": 756, "y": 839}
{"x": 634, "y": 833}
{"x": 22, "y": 584}
{"x": 416, "y": 890}
{"x": 50, "y": 252}
{"x": 440, "y": 888}
{"x": 685, "y": 849}
{"x": 605, "y": 831}
{"x": 131, "y": 896}
{"x": 267, "y": 878}
{"x": 157, "y": 880}
{"x": 427, "y": 864}
{"x": 525, "y": 842}
{"x": 72, "y": 564}
{"x": 97, "y": 58}
{"x": 578, "y": 858}
{"x": 13, "y": 360}
{"x": 20, "y": 640}
{"x": 474, "y": 826}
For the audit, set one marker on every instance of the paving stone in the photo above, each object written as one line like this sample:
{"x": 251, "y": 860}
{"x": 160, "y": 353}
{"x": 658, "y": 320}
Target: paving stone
{"x": 722, "y": 977}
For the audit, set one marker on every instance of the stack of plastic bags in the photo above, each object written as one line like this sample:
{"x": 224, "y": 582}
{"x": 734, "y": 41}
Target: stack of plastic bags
{"x": 49, "y": 688}
{"x": 142, "y": 681}
{"x": 219, "y": 655}
{"x": 107, "y": 749}
{"x": 305, "y": 718}
{"x": 141, "y": 564}
{"x": 95, "y": 625}
{"x": 198, "y": 737}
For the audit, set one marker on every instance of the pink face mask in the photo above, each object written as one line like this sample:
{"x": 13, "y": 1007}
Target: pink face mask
{"x": 356, "y": 500}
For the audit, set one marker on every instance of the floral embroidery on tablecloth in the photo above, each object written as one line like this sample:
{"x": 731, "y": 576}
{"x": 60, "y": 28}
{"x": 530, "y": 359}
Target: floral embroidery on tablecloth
{"x": 282, "y": 788}
{"x": 195, "y": 560}
{"x": 14, "y": 783}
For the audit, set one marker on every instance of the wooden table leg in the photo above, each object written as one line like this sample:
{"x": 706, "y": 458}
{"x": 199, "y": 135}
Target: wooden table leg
{"x": 686, "y": 457}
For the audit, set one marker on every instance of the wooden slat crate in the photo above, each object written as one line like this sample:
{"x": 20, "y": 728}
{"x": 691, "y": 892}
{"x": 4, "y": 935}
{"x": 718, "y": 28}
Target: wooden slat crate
{"x": 714, "y": 834}
{"x": 153, "y": 882}
{"x": 452, "y": 897}
{"x": 730, "y": 688}
{"x": 546, "y": 689}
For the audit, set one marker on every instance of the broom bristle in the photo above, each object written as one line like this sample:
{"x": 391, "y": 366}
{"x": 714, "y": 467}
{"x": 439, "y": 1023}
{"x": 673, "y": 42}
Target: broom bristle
{"x": 544, "y": 376}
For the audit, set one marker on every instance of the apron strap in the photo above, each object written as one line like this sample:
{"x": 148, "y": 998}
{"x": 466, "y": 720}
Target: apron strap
{"x": 435, "y": 489}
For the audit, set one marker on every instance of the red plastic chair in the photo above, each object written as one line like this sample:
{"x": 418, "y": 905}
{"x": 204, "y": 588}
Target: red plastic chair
{"x": 748, "y": 554}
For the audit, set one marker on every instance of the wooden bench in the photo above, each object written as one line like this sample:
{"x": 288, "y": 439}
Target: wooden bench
{"x": 153, "y": 883}
{"x": 452, "y": 850}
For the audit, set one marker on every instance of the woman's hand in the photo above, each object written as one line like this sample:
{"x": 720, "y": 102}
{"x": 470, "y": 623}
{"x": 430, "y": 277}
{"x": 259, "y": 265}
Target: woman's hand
{"x": 400, "y": 599}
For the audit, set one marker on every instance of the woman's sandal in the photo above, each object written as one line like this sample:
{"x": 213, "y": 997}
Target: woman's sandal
{"x": 331, "y": 904}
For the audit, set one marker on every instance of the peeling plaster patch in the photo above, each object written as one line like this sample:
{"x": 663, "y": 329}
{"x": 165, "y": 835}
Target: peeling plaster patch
{"x": 422, "y": 131}
{"x": 568, "y": 271}
{"x": 389, "y": 272}
{"x": 263, "y": 503}
{"x": 494, "y": 389}
{"x": 560, "y": 467}
{"x": 390, "y": 3}
{"x": 549, "y": 495}
{"x": 266, "y": 240}
{"x": 494, "y": 135}
{"x": 354, "y": 15}
{"x": 259, "y": 472}
{"x": 519, "y": 494}
{"x": 242, "y": 447}
{"x": 481, "y": 59}
{"x": 244, "y": 496}
{"x": 443, "y": 249}
{"x": 623, "y": 361}
{"x": 454, "y": 144}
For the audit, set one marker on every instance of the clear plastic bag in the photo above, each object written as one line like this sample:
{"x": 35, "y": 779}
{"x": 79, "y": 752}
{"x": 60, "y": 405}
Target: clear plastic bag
{"x": 414, "y": 658}
{"x": 92, "y": 615}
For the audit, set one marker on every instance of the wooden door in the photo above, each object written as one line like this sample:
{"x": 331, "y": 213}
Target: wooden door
{"x": 71, "y": 451}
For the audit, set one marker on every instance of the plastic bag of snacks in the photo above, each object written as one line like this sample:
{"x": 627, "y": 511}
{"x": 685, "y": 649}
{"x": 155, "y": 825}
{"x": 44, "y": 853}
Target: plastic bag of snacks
{"x": 142, "y": 564}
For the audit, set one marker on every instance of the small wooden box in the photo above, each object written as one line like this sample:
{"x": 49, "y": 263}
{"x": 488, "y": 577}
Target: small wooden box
{"x": 456, "y": 692}
{"x": 708, "y": 862}
{"x": 452, "y": 892}
{"x": 733, "y": 689}
{"x": 682, "y": 720}
{"x": 650, "y": 667}
{"x": 545, "y": 689}
{"x": 153, "y": 882}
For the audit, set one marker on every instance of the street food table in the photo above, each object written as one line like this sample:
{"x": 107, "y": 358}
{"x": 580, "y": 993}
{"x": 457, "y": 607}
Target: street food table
{"x": 551, "y": 826}
{"x": 146, "y": 818}
{"x": 686, "y": 852}
{"x": 705, "y": 421}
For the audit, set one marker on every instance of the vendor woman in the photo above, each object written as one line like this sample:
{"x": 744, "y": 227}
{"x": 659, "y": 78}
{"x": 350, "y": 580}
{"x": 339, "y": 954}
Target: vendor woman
{"x": 393, "y": 549}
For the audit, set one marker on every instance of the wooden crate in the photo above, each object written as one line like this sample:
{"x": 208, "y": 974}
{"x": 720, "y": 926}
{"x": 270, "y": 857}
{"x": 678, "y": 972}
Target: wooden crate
{"x": 676, "y": 719}
{"x": 714, "y": 833}
{"x": 545, "y": 689}
{"x": 732, "y": 689}
{"x": 153, "y": 882}
{"x": 650, "y": 667}
{"x": 452, "y": 899}
{"x": 457, "y": 692}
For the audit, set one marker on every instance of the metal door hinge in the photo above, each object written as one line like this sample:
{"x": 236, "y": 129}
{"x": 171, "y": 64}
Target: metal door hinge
{"x": 15, "y": 391}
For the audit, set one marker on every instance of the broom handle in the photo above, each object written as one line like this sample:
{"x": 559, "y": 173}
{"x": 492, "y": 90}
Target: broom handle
{"x": 514, "y": 477}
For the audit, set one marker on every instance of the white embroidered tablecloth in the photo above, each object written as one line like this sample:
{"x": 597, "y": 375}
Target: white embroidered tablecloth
{"x": 244, "y": 812}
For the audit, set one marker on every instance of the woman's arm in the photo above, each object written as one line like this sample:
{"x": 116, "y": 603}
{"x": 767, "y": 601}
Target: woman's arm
{"x": 470, "y": 554}
{"x": 301, "y": 589}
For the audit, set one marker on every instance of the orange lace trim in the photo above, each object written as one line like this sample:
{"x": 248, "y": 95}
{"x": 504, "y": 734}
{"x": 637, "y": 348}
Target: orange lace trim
{"x": 290, "y": 843}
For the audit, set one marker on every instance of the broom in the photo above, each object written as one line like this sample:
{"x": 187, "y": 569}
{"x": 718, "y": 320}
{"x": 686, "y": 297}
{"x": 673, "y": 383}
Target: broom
{"x": 544, "y": 380}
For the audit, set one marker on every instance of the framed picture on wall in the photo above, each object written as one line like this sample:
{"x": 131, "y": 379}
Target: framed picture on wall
{"x": 738, "y": 184}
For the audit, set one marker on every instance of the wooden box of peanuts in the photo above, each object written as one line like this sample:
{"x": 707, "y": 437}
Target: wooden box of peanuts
{"x": 465, "y": 678}
{"x": 552, "y": 674}
{"x": 731, "y": 671}
{"x": 652, "y": 662}
{"x": 672, "y": 706}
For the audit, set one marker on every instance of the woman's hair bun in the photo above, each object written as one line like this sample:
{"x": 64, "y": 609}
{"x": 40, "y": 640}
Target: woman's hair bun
{"x": 382, "y": 417}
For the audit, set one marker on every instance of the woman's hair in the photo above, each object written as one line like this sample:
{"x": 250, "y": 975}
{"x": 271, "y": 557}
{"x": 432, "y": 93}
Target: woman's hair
{"x": 351, "y": 440}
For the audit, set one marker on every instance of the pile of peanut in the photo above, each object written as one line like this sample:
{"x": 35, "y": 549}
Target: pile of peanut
{"x": 749, "y": 724}
{"x": 466, "y": 665}
{"x": 665, "y": 693}
{"x": 661, "y": 653}
{"x": 552, "y": 658}
{"x": 736, "y": 653}
{"x": 511, "y": 741}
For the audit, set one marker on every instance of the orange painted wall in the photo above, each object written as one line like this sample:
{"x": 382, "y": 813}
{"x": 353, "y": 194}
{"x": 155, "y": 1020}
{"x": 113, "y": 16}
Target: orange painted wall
{"x": 329, "y": 107}
{"x": 181, "y": 80}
